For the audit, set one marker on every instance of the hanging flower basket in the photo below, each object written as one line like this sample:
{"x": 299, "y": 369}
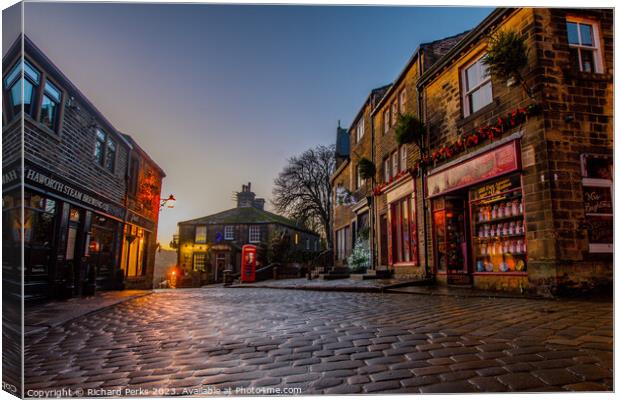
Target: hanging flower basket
{"x": 409, "y": 129}
{"x": 367, "y": 168}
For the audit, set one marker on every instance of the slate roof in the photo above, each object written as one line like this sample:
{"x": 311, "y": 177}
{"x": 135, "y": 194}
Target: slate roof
{"x": 246, "y": 215}
{"x": 433, "y": 51}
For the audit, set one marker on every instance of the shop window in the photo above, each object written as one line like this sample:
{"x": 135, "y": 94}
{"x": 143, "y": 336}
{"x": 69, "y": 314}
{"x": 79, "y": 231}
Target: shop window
{"x": 343, "y": 243}
{"x": 598, "y": 190}
{"x": 401, "y": 101}
{"x": 477, "y": 89}
{"x": 200, "y": 261}
{"x": 254, "y": 234}
{"x": 584, "y": 46}
{"x": 137, "y": 256}
{"x": 105, "y": 150}
{"x": 29, "y": 81}
{"x": 359, "y": 130}
{"x": 201, "y": 234}
{"x": 386, "y": 120}
{"x": 50, "y": 105}
{"x": 229, "y": 232}
{"x": 404, "y": 246}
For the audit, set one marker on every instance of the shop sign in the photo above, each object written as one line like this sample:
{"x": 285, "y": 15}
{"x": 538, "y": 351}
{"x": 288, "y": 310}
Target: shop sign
{"x": 64, "y": 189}
{"x": 496, "y": 162}
{"x": 9, "y": 177}
{"x": 496, "y": 187}
{"x": 400, "y": 191}
{"x": 141, "y": 221}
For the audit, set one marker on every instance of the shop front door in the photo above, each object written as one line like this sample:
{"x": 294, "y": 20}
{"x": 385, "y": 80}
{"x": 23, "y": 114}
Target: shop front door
{"x": 451, "y": 240}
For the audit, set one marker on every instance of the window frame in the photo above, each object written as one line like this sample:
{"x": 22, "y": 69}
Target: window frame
{"x": 467, "y": 92}
{"x": 254, "y": 230}
{"x": 596, "y": 43}
{"x": 395, "y": 163}
{"x": 386, "y": 120}
{"x": 7, "y": 86}
{"x": 402, "y": 100}
{"x": 402, "y": 158}
{"x": 359, "y": 130}
{"x": 45, "y": 93}
{"x": 196, "y": 237}
{"x": 229, "y": 232}
{"x": 394, "y": 112}
{"x": 202, "y": 255}
{"x": 387, "y": 169}
{"x": 105, "y": 144}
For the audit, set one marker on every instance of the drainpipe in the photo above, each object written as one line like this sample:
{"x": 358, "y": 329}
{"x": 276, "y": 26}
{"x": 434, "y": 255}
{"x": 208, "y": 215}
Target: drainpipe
{"x": 370, "y": 198}
{"x": 422, "y": 113}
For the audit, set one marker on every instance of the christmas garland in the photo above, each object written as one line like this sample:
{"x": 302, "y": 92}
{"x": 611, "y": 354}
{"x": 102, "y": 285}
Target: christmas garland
{"x": 469, "y": 140}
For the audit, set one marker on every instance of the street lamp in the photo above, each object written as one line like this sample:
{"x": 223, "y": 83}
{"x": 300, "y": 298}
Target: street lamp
{"x": 169, "y": 202}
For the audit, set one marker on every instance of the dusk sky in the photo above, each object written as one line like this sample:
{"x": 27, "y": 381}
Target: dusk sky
{"x": 223, "y": 95}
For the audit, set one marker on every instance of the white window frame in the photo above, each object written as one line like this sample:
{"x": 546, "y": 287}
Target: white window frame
{"x": 596, "y": 45}
{"x": 403, "y": 157}
{"x": 386, "y": 120}
{"x": 395, "y": 164}
{"x": 467, "y": 92}
{"x": 254, "y": 234}
{"x": 229, "y": 232}
{"x": 200, "y": 227}
{"x": 597, "y": 182}
{"x": 359, "y": 130}
{"x": 394, "y": 112}
{"x": 401, "y": 100}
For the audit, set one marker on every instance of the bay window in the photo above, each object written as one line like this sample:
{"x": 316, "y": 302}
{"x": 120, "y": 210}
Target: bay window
{"x": 477, "y": 89}
{"x": 23, "y": 75}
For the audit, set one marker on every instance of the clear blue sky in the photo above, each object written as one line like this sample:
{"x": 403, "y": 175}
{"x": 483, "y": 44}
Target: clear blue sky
{"x": 223, "y": 95}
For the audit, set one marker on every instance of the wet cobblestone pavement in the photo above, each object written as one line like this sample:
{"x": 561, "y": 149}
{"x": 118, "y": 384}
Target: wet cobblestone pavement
{"x": 327, "y": 342}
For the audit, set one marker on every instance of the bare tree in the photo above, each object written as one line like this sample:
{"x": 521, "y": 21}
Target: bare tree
{"x": 302, "y": 190}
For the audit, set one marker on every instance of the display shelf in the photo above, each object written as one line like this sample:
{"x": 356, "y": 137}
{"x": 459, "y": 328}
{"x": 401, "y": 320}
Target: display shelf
{"x": 494, "y": 220}
{"x": 495, "y": 238}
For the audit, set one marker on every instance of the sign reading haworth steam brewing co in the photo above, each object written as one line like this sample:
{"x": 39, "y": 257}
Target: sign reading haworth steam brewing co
{"x": 60, "y": 187}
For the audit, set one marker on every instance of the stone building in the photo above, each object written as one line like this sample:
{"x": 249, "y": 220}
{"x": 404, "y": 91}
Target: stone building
{"x": 350, "y": 191}
{"x": 510, "y": 187}
{"x": 521, "y": 200}
{"x": 209, "y": 245}
{"x": 399, "y": 200}
{"x": 75, "y": 179}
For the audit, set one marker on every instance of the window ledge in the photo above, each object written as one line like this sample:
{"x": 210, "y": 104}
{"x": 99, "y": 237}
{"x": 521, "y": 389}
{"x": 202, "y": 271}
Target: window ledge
{"x": 41, "y": 127}
{"x": 465, "y": 120}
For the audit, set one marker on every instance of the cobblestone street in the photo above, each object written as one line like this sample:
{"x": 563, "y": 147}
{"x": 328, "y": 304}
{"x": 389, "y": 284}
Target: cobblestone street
{"x": 328, "y": 342}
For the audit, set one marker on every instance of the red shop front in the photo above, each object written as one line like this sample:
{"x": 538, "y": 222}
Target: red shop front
{"x": 478, "y": 219}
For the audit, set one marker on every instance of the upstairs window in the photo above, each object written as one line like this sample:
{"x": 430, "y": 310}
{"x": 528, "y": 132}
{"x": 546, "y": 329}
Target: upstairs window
{"x": 229, "y": 232}
{"x": 254, "y": 234}
{"x": 403, "y": 158}
{"x": 14, "y": 82}
{"x": 105, "y": 150}
{"x": 401, "y": 102}
{"x": 395, "y": 163}
{"x": 394, "y": 113}
{"x": 134, "y": 170}
{"x": 359, "y": 130}
{"x": 477, "y": 90}
{"x": 387, "y": 170}
{"x": 386, "y": 120}
{"x": 585, "y": 54}
{"x": 201, "y": 234}
{"x": 50, "y": 105}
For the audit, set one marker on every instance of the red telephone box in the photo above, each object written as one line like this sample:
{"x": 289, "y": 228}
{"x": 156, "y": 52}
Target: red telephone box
{"x": 248, "y": 263}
